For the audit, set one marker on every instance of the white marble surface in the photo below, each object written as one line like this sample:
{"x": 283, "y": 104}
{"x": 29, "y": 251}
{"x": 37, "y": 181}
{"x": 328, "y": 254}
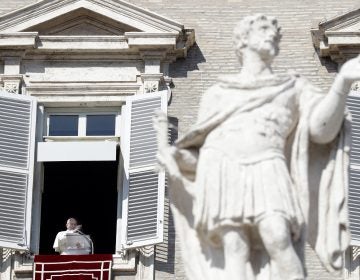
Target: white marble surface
{"x": 263, "y": 170}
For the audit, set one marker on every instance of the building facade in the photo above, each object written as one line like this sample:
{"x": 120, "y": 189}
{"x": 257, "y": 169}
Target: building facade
{"x": 88, "y": 71}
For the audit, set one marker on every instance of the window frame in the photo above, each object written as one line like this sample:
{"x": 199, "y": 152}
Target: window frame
{"x": 42, "y": 136}
{"x": 83, "y": 113}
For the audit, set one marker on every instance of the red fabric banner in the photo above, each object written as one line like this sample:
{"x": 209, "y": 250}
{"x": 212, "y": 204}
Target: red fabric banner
{"x": 72, "y": 267}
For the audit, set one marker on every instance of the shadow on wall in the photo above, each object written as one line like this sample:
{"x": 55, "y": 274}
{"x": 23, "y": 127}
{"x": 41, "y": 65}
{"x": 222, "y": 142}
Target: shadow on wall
{"x": 165, "y": 252}
{"x": 181, "y": 67}
{"x": 331, "y": 66}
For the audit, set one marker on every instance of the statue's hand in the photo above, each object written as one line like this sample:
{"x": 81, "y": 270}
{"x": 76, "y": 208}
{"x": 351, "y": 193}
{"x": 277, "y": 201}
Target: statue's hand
{"x": 166, "y": 160}
{"x": 349, "y": 73}
{"x": 166, "y": 153}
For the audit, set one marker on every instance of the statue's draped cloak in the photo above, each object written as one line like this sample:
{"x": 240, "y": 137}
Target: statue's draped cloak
{"x": 319, "y": 173}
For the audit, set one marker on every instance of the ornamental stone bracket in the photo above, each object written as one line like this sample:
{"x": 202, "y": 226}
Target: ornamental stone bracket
{"x": 338, "y": 37}
{"x": 356, "y": 87}
{"x": 157, "y": 82}
{"x": 12, "y": 83}
{"x": 151, "y": 82}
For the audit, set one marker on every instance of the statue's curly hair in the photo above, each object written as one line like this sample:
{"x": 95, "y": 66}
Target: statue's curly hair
{"x": 244, "y": 27}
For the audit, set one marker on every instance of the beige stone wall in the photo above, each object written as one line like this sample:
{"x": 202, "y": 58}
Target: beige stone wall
{"x": 212, "y": 56}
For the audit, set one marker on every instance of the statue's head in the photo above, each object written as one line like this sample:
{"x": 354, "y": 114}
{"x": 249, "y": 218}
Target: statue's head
{"x": 259, "y": 33}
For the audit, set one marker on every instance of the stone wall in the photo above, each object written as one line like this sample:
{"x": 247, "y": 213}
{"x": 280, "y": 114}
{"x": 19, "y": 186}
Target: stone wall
{"x": 213, "y": 55}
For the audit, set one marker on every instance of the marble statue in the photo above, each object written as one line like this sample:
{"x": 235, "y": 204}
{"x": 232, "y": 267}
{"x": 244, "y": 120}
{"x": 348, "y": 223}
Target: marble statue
{"x": 263, "y": 170}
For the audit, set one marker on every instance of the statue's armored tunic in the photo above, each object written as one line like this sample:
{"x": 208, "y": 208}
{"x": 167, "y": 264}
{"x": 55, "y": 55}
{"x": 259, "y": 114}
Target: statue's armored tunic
{"x": 243, "y": 158}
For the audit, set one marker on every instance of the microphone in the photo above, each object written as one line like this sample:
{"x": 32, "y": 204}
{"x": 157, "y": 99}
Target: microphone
{"x": 78, "y": 229}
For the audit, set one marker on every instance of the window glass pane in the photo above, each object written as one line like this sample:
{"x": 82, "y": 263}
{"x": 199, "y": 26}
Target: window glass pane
{"x": 100, "y": 125}
{"x": 63, "y": 125}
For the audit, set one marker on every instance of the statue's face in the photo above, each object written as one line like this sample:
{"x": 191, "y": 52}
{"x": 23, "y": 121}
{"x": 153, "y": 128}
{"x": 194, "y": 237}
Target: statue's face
{"x": 263, "y": 39}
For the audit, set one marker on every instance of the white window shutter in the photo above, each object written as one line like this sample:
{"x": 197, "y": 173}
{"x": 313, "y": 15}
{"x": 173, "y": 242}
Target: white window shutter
{"x": 143, "y": 187}
{"x": 17, "y": 144}
{"x": 353, "y": 103}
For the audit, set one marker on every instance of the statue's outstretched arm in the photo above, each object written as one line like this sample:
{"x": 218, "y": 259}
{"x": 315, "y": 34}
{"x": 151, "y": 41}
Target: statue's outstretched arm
{"x": 328, "y": 115}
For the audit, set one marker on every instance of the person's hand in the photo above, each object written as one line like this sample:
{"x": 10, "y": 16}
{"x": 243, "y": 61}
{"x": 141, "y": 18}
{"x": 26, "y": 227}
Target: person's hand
{"x": 349, "y": 73}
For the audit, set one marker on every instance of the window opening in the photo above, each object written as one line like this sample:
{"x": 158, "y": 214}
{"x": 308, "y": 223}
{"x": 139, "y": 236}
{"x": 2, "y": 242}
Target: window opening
{"x": 63, "y": 125}
{"x": 86, "y": 191}
{"x": 73, "y": 123}
{"x": 100, "y": 125}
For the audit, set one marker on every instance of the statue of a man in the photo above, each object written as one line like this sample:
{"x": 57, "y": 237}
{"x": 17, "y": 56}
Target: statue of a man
{"x": 263, "y": 170}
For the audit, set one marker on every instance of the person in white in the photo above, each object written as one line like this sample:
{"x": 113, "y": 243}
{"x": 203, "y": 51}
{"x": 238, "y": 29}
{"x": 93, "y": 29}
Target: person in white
{"x": 60, "y": 239}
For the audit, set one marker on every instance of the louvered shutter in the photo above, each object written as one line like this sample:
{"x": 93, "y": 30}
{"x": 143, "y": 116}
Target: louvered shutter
{"x": 353, "y": 103}
{"x": 17, "y": 142}
{"x": 143, "y": 187}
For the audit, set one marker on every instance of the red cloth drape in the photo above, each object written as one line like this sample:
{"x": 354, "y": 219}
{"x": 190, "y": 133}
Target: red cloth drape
{"x": 72, "y": 267}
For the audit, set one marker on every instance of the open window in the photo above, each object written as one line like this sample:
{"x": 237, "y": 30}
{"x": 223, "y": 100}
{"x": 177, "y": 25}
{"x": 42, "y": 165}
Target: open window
{"x": 85, "y": 190}
{"x": 80, "y": 160}
{"x": 86, "y": 187}
{"x": 17, "y": 142}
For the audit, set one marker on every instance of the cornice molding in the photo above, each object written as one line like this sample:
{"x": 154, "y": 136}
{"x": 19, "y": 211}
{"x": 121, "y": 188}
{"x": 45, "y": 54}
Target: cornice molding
{"x": 338, "y": 37}
{"x": 84, "y": 94}
{"x": 157, "y": 32}
{"x": 118, "y": 10}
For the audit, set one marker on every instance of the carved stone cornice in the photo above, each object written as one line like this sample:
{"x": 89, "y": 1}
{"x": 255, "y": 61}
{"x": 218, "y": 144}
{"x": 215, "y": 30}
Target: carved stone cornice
{"x": 339, "y": 37}
{"x": 144, "y": 31}
{"x": 119, "y": 10}
{"x": 18, "y": 40}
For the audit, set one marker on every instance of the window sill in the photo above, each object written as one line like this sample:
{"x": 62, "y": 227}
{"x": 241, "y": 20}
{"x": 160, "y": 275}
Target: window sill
{"x": 120, "y": 264}
{"x": 81, "y": 138}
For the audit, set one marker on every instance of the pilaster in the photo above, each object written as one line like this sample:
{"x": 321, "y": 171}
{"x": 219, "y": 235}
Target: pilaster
{"x": 12, "y": 79}
{"x": 151, "y": 77}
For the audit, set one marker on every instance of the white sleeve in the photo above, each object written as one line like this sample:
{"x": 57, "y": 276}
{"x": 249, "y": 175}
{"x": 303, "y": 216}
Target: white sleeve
{"x": 56, "y": 242}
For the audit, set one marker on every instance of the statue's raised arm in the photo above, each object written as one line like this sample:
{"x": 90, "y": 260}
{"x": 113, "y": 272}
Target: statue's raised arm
{"x": 245, "y": 177}
{"x": 328, "y": 116}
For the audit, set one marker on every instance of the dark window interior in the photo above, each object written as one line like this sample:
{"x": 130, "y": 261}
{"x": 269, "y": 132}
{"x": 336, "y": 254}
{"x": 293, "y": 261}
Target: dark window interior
{"x": 63, "y": 125}
{"x": 86, "y": 191}
{"x": 97, "y": 125}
